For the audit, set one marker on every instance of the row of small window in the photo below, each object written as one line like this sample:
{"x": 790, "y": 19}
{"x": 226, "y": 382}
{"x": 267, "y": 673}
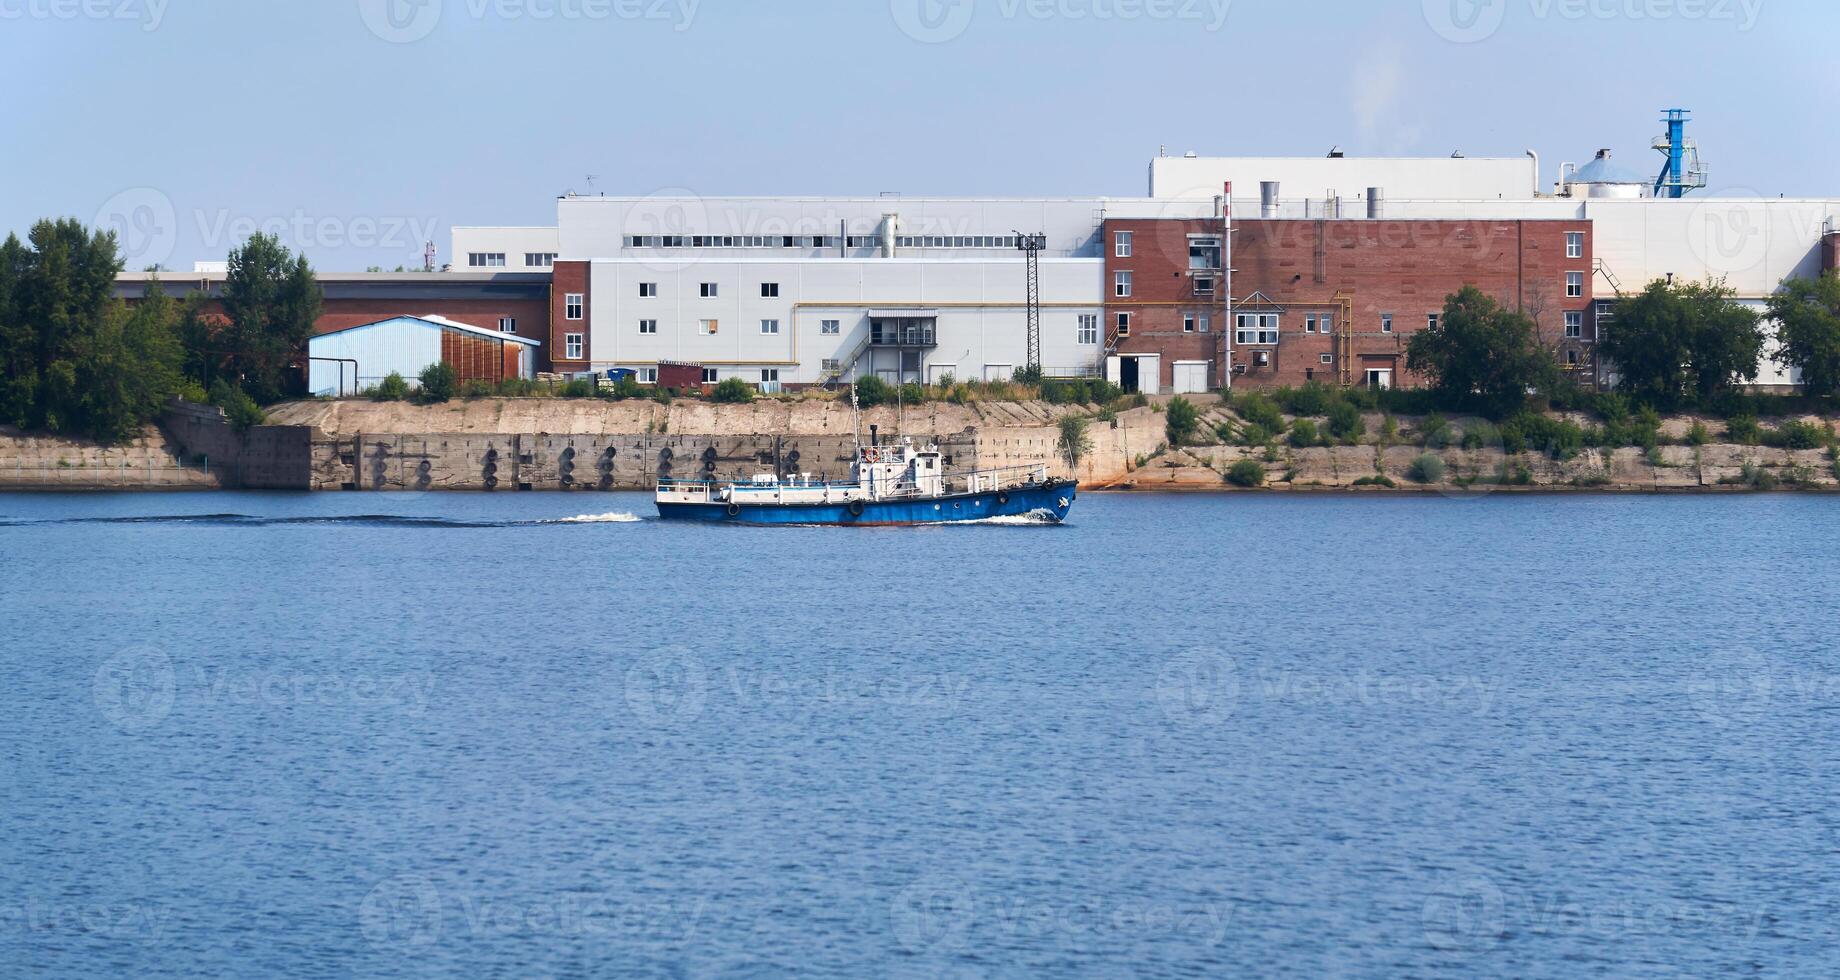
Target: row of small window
{"x": 1204, "y": 251}
{"x": 1191, "y": 323}
{"x": 818, "y": 241}
{"x": 732, "y": 241}
{"x": 649, "y": 376}
{"x": 709, "y": 290}
{"x": 1254, "y": 329}
{"x": 1124, "y": 282}
{"x": 496, "y": 260}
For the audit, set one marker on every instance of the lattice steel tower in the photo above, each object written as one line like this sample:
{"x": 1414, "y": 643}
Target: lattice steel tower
{"x": 1031, "y": 245}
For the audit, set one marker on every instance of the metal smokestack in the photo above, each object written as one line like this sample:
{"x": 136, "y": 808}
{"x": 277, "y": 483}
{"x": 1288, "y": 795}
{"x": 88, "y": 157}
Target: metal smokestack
{"x": 1376, "y": 203}
{"x": 1268, "y": 199}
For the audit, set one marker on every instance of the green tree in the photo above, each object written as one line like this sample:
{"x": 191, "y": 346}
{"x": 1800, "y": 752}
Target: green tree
{"x": 1482, "y": 355}
{"x": 76, "y": 360}
{"x": 18, "y": 341}
{"x": 1807, "y": 314}
{"x": 732, "y": 391}
{"x": 1075, "y": 442}
{"x": 439, "y": 381}
{"x": 271, "y": 301}
{"x": 1673, "y": 341}
{"x": 1181, "y": 419}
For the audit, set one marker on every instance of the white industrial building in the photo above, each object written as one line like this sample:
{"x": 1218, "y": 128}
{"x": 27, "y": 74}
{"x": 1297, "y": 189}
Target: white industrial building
{"x": 798, "y": 291}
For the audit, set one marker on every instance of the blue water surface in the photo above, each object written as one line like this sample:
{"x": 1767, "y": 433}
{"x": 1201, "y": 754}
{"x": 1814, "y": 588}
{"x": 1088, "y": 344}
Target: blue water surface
{"x": 1182, "y": 736}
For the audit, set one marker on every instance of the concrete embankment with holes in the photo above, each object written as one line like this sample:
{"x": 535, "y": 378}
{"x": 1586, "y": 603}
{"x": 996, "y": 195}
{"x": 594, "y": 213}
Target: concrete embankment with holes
{"x": 589, "y": 446}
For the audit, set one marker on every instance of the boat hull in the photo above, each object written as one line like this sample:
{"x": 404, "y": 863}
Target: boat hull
{"x": 1048, "y": 502}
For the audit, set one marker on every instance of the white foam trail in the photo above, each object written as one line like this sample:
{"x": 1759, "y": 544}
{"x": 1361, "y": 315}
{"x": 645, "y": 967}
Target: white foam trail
{"x": 1029, "y": 519}
{"x": 601, "y": 519}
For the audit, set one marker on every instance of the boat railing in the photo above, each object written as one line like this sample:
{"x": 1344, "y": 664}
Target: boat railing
{"x": 976, "y": 481}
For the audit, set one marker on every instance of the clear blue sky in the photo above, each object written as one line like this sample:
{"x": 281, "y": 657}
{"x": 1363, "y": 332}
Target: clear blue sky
{"x": 339, "y": 112}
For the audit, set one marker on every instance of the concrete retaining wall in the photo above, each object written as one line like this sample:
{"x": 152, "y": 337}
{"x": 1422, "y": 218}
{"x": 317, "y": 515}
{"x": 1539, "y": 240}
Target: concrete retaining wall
{"x": 266, "y": 457}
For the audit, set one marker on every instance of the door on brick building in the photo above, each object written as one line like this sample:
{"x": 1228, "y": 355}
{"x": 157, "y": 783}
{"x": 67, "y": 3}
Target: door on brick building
{"x": 1379, "y": 379}
{"x": 1127, "y": 375}
{"x": 1191, "y": 377}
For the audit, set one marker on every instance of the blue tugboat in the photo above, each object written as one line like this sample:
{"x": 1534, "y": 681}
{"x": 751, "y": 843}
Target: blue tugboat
{"x": 897, "y": 485}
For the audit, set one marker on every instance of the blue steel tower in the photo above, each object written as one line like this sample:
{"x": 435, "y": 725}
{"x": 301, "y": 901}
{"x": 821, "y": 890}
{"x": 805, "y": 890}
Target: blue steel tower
{"x": 1683, "y": 172}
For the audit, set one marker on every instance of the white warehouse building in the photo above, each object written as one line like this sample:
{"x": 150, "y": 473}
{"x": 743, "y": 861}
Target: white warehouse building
{"x": 794, "y": 291}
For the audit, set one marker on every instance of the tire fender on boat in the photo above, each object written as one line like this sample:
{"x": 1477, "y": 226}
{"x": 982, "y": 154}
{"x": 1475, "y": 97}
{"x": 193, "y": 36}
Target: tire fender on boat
{"x": 856, "y": 508}
{"x": 734, "y": 509}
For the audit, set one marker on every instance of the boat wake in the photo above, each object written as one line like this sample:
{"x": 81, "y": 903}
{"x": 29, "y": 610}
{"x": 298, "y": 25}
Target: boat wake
{"x": 1038, "y": 518}
{"x": 326, "y": 520}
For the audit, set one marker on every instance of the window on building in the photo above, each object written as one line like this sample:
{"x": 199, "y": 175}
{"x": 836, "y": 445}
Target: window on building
{"x": 507, "y": 324}
{"x": 1089, "y": 329}
{"x": 769, "y": 328}
{"x": 1328, "y": 324}
{"x": 1124, "y": 245}
{"x": 1309, "y": 323}
{"x": 710, "y": 376}
{"x": 1571, "y": 358}
{"x": 648, "y": 290}
{"x": 769, "y": 376}
{"x": 769, "y": 290}
{"x": 1124, "y": 324}
{"x": 1574, "y": 324}
{"x": 647, "y": 376}
{"x": 1121, "y": 283}
{"x": 710, "y": 290}
{"x": 1431, "y": 321}
{"x": 1188, "y": 323}
{"x": 1203, "y": 252}
{"x": 831, "y": 365}
{"x": 1574, "y": 284}
{"x": 1386, "y": 323}
{"x": 708, "y": 328}
{"x": 1204, "y": 285}
{"x": 1574, "y": 244}
{"x": 572, "y": 346}
{"x": 572, "y": 305}
{"x": 485, "y": 260}
{"x": 830, "y": 328}
{"x": 1204, "y": 323}
{"x": 1256, "y": 329}
{"x": 648, "y": 326}
{"x": 1328, "y": 358}
{"x": 540, "y": 260}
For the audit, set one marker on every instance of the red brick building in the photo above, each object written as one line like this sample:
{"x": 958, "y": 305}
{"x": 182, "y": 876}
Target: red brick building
{"x": 1334, "y": 301}
{"x": 570, "y": 301}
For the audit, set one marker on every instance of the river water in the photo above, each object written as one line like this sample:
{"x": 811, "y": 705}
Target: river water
{"x": 548, "y": 735}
